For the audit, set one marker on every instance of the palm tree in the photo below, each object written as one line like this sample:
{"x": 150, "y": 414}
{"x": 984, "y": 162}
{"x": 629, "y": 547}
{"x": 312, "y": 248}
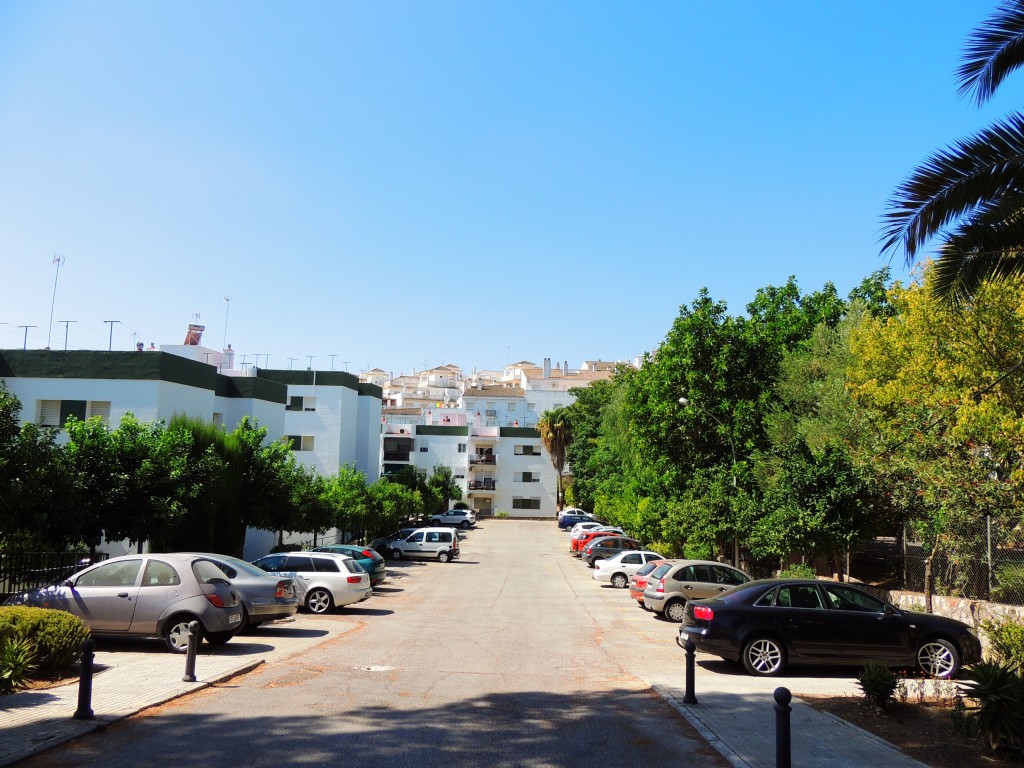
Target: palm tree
{"x": 556, "y": 434}
{"x": 971, "y": 195}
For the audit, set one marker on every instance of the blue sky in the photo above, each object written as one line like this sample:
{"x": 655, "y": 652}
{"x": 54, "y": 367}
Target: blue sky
{"x": 407, "y": 184}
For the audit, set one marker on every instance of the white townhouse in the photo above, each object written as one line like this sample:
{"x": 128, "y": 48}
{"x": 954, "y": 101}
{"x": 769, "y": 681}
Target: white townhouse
{"x": 330, "y": 417}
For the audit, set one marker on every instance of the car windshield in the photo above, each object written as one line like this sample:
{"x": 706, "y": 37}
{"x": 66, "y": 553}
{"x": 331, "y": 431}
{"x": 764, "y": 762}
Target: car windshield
{"x": 206, "y": 571}
{"x": 244, "y": 567}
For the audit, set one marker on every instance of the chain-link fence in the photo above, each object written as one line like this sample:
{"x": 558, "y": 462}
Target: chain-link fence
{"x": 981, "y": 559}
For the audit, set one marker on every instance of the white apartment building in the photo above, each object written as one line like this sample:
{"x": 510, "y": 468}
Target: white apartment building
{"x": 331, "y": 418}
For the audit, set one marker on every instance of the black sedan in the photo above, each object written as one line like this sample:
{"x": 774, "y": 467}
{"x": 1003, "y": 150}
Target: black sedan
{"x": 770, "y": 623}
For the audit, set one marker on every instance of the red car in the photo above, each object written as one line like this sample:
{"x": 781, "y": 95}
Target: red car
{"x": 638, "y": 580}
{"x": 577, "y": 545}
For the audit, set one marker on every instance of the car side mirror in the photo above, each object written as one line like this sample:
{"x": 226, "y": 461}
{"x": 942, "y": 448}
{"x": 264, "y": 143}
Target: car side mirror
{"x": 67, "y": 583}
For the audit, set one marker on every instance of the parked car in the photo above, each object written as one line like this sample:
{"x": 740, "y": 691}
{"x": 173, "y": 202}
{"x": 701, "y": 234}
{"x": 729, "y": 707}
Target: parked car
{"x": 368, "y": 558}
{"x": 458, "y": 518}
{"x": 565, "y": 522}
{"x": 578, "y": 541}
{"x": 617, "y": 569}
{"x": 329, "y": 580}
{"x": 586, "y": 525}
{"x": 264, "y": 597}
{"x": 638, "y": 581}
{"x": 440, "y": 543}
{"x": 772, "y": 623}
{"x": 151, "y": 595}
{"x": 382, "y": 544}
{"x": 688, "y": 580}
{"x": 606, "y": 546}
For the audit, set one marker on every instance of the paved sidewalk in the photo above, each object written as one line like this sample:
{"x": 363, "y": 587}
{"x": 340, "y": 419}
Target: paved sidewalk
{"x": 132, "y": 676}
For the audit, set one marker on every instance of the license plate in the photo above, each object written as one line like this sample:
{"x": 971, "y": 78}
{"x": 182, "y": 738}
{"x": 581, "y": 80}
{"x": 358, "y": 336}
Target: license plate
{"x": 234, "y": 618}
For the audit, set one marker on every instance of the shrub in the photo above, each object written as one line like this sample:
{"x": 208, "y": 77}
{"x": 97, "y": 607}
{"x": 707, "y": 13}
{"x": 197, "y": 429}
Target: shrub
{"x": 1006, "y": 640}
{"x": 798, "y": 571}
{"x": 16, "y": 663}
{"x": 56, "y": 635}
{"x": 1010, "y": 587}
{"x": 998, "y": 716}
{"x": 502, "y": 515}
{"x": 878, "y": 683}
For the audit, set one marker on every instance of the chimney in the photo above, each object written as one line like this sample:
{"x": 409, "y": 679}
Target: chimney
{"x": 229, "y": 359}
{"x": 547, "y": 367}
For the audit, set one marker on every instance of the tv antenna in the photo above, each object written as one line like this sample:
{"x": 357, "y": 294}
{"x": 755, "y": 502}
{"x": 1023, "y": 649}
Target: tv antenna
{"x": 58, "y": 260}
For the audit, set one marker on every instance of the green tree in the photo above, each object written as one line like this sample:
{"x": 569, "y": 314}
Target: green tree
{"x": 970, "y": 196}
{"x": 442, "y": 483}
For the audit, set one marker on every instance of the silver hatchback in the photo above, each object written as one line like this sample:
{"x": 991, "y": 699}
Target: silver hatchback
{"x": 689, "y": 580}
{"x": 151, "y": 595}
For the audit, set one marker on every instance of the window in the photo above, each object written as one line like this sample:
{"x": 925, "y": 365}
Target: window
{"x": 527, "y": 450}
{"x": 159, "y": 574}
{"x": 633, "y": 558}
{"x": 121, "y": 574}
{"x": 846, "y": 599}
{"x": 300, "y": 442}
{"x": 300, "y": 403}
{"x": 524, "y": 503}
{"x": 423, "y": 449}
{"x": 462, "y": 447}
{"x": 99, "y": 409}
{"x": 299, "y": 563}
{"x": 218, "y": 419}
{"x": 326, "y": 565}
{"x": 416, "y": 537}
{"x": 725, "y": 575}
{"x": 799, "y": 597}
{"x": 511, "y": 405}
{"x": 55, "y": 413}
{"x": 527, "y": 477}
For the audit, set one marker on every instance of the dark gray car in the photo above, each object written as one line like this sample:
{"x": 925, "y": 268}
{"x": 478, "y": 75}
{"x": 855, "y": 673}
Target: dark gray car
{"x": 264, "y": 597}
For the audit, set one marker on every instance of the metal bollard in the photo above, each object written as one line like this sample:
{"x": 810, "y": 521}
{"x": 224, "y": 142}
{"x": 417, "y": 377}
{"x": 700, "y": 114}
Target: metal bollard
{"x": 783, "y": 750}
{"x": 691, "y": 652}
{"x": 84, "y": 711}
{"x": 190, "y": 655}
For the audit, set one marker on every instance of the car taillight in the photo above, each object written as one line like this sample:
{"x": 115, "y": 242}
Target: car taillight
{"x": 703, "y": 612}
{"x": 215, "y": 601}
{"x": 283, "y": 589}
{"x": 354, "y": 579}
{"x": 367, "y": 553}
{"x": 661, "y": 585}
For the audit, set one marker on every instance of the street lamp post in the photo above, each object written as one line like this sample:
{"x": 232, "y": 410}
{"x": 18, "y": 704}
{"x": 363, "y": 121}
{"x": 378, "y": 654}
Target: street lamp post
{"x": 732, "y": 446}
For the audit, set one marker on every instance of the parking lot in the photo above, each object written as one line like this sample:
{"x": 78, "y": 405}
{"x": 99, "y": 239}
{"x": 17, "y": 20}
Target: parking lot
{"x": 511, "y": 650}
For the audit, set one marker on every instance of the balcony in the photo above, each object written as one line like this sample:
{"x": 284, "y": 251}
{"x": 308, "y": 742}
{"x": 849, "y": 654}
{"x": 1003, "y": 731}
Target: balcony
{"x": 396, "y": 455}
{"x": 481, "y": 485}
{"x": 487, "y": 458}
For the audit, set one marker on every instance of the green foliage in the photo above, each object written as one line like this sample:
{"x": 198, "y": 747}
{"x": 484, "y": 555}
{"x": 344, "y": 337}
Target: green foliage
{"x": 16, "y": 663}
{"x": 503, "y": 515}
{"x": 798, "y": 571}
{"x": 55, "y": 635}
{"x": 1006, "y": 641}
{"x": 1009, "y": 584}
{"x": 997, "y": 714}
{"x": 878, "y": 683}
{"x": 442, "y": 483}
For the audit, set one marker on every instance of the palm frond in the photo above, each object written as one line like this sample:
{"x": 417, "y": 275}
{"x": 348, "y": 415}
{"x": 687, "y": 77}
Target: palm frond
{"x": 988, "y": 247}
{"x": 954, "y": 183}
{"x": 992, "y": 52}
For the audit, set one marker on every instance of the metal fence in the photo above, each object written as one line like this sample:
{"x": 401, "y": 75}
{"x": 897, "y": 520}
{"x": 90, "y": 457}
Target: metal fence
{"x": 981, "y": 559}
{"x": 21, "y": 571}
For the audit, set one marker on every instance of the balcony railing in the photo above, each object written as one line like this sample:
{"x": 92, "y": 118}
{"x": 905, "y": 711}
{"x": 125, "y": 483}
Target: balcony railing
{"x": 481, "y": 485}
{"x": 396, "y": 455}
{"x": 482, "y": 458}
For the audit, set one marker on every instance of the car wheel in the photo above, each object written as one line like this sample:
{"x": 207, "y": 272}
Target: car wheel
{"x": 396, "y": 554}
{"x": 619, "y": 580}
{"x": 675, "y": 611}
{"x": 244, "y": 624}
{"x": 444, "y": 556}
{"x": 939, "y": 658}
{"x": 591, "y": 563}
{"x": 176, "y": 632}
{"x": 465, "y": 524}
{"x": 764, "y": 657}
{"x": 219, "y": 638}
{"x": 318, "y": 600}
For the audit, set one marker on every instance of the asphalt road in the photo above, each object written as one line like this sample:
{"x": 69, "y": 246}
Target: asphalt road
{"x": 510, "y": 656}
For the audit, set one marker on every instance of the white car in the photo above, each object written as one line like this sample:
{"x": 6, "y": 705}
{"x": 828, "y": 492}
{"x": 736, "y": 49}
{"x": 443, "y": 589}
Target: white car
{"x": 585, "y": 526}
{"x": 329, "y": 580}
{"x": 460, "y": 518}
{"x": 617, "y": 569}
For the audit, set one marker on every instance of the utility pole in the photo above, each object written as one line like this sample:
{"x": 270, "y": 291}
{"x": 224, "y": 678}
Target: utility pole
{"x": 26, "y": 327}
{"x": 58, "y": 260}
{"x": 67, "y": 323}
{"x": 110, "y": 344}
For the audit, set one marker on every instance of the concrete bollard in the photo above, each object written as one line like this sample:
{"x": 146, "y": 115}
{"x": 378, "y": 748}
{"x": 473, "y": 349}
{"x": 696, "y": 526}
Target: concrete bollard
{"x": 783, "y": 748}
{"x": 691, "y": 652}
{"x": 84, "y": 711}
{"x": 190, "y": 655}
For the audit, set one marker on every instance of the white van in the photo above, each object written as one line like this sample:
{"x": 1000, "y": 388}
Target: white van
{"x": 442, "y": 543}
